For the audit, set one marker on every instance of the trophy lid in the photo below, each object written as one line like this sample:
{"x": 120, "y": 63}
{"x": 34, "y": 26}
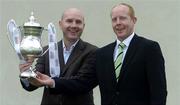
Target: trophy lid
{"x": 32, "y": 21}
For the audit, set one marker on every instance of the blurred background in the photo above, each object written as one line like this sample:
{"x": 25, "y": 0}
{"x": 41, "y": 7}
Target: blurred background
{"x": 158, "y": 20}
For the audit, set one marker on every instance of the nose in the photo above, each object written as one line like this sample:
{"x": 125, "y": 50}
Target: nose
{"x": 118, "y": 21}
{"x": 74, "y": 24}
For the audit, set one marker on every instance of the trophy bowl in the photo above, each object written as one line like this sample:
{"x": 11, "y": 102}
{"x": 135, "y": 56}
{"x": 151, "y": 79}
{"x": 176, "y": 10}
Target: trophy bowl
{"x": 30, "y": 46}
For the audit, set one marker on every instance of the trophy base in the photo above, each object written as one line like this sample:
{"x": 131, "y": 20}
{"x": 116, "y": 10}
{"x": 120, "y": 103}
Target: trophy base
{"x": 28, "y": 74}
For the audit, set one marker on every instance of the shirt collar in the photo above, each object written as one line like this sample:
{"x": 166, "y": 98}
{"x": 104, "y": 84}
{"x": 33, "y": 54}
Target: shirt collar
{"x": 72, "y": 46}
{"x": 126, "y": 41}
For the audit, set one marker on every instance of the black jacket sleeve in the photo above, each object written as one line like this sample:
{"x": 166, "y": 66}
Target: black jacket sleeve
{"x": 83, "y": 82}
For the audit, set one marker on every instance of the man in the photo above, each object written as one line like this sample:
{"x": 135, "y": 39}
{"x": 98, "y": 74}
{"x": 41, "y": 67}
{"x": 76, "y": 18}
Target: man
{"x": 129, "y": 71}
{"x": 73, "y": 55}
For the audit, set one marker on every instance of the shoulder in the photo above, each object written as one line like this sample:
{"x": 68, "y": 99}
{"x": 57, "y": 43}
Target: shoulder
{"x": 147, "y": 43}
{"x": 146, "y": 40}
{"x": 87, "y": 45}
{"x": 106, "y": 50}
{"x": 108, "y": 46}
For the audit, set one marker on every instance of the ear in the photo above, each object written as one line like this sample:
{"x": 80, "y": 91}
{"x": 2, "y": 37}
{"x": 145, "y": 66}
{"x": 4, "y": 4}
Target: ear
{"x": 134, "y": 20}
{"x": 60, "y": 24}
{"x": 83, "y": 25}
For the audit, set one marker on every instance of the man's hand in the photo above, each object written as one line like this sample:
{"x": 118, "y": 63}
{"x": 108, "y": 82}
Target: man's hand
{"x": 23, "y": 67}
{"x": 41, "y": 80}
{"x": 35, "y": 82}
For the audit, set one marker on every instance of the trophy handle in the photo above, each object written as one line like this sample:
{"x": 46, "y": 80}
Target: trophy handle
{"x": 14, "y": 37}
{"x": 54, "y": 65}
{"x": 12, "y": 29}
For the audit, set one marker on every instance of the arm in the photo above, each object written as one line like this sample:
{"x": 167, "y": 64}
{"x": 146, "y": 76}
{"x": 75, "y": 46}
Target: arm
{"x": 156, "y": 75}
{"x": 25, "y": 82}
{"x": 83, "y": 82}
{"x": 31, "y": 84}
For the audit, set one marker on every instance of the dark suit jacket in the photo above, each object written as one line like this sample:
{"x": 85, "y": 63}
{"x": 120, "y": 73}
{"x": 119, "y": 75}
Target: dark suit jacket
{"x": 76, "y": 61}
{"x": 142, "y": 78}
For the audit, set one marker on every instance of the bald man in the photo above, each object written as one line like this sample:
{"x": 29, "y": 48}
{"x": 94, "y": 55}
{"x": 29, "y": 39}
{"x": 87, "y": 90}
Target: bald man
{"x": 73, "y": 55}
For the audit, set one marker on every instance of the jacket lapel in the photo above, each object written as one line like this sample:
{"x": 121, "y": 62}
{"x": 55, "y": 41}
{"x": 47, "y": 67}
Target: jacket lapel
{"x": 129, "y": 55}
{"x": 74, "y": 55}
{"x": 109, "y": 53}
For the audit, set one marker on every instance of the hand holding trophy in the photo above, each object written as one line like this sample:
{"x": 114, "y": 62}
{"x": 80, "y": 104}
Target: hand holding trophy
{"x": 26, "y": 40}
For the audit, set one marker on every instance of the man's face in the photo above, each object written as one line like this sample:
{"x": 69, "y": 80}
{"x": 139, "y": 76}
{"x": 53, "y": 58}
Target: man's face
{"x": 72, "y": 24}
{"x": 122, "y": 22}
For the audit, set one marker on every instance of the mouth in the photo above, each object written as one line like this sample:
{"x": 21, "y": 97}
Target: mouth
{"x": 120, "y": 29}
{"x": 73, "y": 31}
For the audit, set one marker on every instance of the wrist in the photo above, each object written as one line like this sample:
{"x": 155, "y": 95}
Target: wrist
{"x": 51, "y": 83}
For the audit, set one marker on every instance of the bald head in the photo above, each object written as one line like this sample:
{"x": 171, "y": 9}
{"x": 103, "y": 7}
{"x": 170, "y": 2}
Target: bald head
{"x": 72, "y": 11}
{"x": 72, "y": 24}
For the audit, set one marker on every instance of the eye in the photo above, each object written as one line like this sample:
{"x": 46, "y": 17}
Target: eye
{"x": 78, "y": 22}
{"x": 122, "y": 18}
{"x": 114, "y": 19}
{"x": 69, "y": 20}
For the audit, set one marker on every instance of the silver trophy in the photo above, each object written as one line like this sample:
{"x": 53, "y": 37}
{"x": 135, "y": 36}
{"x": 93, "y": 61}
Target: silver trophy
{"x": 26, "y": 40}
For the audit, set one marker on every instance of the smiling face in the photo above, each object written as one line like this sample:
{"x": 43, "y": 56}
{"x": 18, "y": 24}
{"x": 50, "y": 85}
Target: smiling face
{"x": 72, "y": 24}
{"x": 123, "y": 21}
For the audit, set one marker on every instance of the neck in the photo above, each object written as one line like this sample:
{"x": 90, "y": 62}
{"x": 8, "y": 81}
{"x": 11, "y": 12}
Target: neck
{"x": 69, "y": 43}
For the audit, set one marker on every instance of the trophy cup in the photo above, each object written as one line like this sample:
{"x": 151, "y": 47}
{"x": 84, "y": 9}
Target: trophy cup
{"x": 26, "y": 41}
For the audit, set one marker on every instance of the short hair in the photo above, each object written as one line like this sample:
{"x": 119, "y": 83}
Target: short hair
{"x": 62, "y": 16}
{"x": 131, "y": 9}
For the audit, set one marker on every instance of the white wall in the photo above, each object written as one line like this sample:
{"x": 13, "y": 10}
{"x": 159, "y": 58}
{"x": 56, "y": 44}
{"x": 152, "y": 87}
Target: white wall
{"x": 157, "y": 19}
